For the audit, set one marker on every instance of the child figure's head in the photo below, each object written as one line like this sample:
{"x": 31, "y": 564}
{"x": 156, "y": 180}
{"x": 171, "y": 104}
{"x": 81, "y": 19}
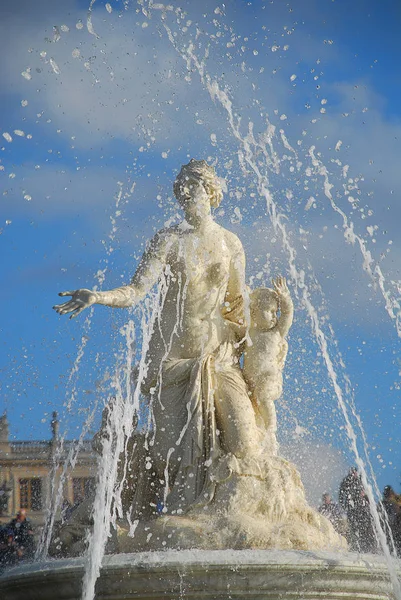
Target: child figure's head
{"x": 264, "y": 305}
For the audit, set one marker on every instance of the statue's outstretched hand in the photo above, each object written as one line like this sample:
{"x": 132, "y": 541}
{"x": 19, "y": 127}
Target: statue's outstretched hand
{"x": 80, "y": 300}
{"x": 280, "y": 286}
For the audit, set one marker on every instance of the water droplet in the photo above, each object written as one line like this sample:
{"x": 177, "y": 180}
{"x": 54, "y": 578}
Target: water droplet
{"x": 7, "y": 137}
{"x": 54, "y": 66}
{"x": 310, "y": 203}
{"x": 27, "y": 73}
{"x": 108, "y": 7}
{"x": 56, "y": 34}
{"x": 76, "y": 53}
{"x": 24, "y": 102}
{"x": 19, "y": 132}
{"x": 79, "y": 25}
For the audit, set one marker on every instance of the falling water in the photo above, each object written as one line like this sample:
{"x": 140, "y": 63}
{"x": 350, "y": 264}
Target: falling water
{"x": 55, "y": 499}
{"x": 122, "y": 420}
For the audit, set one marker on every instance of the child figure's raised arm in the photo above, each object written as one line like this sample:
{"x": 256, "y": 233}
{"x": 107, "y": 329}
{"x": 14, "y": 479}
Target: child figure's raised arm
{"x": 286, "y": 305}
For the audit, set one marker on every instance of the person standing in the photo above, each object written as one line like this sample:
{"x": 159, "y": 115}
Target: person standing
{"x": 22, "y": 532}
{"x": 333, "y": 513}
{"x": 355, "y": 502}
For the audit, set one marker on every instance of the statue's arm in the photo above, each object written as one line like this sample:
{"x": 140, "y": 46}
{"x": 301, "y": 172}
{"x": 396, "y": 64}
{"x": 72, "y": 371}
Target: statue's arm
{"x": 286, "y": 306}
{"x": 234, "y": 299}
{"x": 146, "y": 275}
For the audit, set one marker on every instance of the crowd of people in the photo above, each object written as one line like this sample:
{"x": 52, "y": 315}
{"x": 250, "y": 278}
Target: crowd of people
{"x": 353, "y": 517}
{"x": 16, "y": 540}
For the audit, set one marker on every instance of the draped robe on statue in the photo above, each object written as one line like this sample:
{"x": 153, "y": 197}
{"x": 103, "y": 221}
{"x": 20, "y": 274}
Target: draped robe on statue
{"x": 189, "y": 440}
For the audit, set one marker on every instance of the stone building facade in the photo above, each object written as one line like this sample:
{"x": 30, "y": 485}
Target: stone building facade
{"x": 28, "y": 473}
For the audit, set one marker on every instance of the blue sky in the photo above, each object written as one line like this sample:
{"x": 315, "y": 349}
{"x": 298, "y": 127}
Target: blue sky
{"x": 84, "y": 118}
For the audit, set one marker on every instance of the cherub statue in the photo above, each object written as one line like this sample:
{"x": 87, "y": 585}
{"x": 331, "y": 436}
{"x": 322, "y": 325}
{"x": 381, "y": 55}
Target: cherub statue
{"x": 266, "y": 352}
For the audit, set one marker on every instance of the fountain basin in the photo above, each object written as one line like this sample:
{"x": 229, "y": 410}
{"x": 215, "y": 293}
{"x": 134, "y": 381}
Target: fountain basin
{"x": 207, "y": 575}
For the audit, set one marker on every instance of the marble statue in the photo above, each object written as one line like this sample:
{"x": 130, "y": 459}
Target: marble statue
{"x": 221, "y": 488}
{"x": 266, "y": 351}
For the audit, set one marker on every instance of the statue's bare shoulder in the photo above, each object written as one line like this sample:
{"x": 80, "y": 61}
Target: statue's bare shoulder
{"x": 165, "y": 234}
{"x": 233, "y": 241}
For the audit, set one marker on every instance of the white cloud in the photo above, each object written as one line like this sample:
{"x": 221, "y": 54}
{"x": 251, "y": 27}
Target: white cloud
{"x": 128, "y": 84}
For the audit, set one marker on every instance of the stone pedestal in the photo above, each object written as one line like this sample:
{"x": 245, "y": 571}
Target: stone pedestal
{"x": 209, "y": 575}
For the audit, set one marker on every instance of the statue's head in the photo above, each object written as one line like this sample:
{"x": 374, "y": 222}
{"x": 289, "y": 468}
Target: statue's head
{"x": 264, "y": 305}
{"x": 191, "y": 175}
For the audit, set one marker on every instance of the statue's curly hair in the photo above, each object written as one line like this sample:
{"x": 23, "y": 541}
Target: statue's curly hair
{"x": 207, "y": 174}
{"x": 259, "y": 296}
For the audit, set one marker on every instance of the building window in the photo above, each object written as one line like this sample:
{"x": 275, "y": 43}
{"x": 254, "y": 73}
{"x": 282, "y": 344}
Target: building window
{"x": 5, "y": 493}
{"x": 82, "y": 487}
{"x": 30, "y": 493}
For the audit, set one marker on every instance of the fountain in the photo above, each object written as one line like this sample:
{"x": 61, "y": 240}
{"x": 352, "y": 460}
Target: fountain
{"x": 233, "y": 520}
{"x": 211, "y": 453}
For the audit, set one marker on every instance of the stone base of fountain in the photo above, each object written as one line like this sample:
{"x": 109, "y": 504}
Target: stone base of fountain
{"x": 201, "y": 575}
{"x": 256, "y": 505}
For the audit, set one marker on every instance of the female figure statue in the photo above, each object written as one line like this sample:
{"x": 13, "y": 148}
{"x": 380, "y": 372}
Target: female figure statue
{"x": 222, "y": 490}
{"x": 200, "y": 402}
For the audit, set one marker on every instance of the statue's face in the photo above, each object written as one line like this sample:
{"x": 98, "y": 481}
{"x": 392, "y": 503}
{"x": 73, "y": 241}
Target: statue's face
{"x": 193, "y": 197}
{"x": 264, "y": 313}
